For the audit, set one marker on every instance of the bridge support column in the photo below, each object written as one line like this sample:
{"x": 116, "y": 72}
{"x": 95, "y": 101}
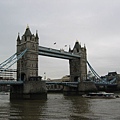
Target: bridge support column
{"x": 69, "y": 90}
{"x": 86, "y": 86}
{"x": 30, "y": 90}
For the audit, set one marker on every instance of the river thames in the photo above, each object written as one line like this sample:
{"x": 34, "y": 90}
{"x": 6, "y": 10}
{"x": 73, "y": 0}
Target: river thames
{"x": 60, "y": 107}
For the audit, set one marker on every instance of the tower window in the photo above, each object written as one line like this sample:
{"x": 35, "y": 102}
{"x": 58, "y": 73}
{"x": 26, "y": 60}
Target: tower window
{"x": 77, "y": 50}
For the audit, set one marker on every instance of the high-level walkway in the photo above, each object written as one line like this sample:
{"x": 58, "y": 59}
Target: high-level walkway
{"x": 57, "y": 53}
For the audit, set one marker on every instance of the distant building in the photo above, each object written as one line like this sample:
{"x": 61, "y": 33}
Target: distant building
{"x": 111, "y": 75}
{"x": 55, "y": 87}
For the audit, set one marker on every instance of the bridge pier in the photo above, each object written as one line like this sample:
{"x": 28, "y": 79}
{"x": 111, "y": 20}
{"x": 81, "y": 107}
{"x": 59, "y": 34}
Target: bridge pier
{"x": 67, "y": 90}
{"x": 29, "y": 90}
{"x": 86, "y": 86}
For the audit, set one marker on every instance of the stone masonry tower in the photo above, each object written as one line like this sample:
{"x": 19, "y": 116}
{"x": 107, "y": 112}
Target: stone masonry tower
{"x": 33, "y": 88}
{"x": 27, "y": 66}
{"x": 78, "y": 67}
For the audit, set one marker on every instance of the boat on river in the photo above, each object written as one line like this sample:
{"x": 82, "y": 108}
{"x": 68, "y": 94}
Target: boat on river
{"x": 100, "y": 95}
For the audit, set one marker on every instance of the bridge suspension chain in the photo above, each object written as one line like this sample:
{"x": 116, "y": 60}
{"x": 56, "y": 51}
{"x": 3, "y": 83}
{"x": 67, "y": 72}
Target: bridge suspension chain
{"x": 113, "y": 81}
{"x": 7, "y": 61}
{"x": 11, "y": 61}
{"x": 93, "y": 71}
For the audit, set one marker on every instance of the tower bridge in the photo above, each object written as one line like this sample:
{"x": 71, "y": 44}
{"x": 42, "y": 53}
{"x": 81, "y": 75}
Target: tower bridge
{"x": 30, "y": 85}
{"x": 27, "y": 66}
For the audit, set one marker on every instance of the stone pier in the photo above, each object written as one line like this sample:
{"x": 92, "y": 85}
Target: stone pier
{"x": 86, "y": 86}
{"x": 30, "y": 90}
{"x": 82, "y": 88}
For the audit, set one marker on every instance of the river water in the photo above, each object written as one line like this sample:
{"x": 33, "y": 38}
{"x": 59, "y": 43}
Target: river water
{"x": 60, "y": 107}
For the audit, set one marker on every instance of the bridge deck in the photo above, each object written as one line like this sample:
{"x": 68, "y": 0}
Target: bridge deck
{"x": 72, "y": 84}
{"x": 56, "y": 53}
{"x": 10, "y": 82}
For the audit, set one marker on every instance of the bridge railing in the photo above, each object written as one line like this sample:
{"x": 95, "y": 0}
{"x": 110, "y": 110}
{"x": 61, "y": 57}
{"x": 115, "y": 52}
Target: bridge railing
{"x": 105, "y": 82}
{"x": 70, "y": 84}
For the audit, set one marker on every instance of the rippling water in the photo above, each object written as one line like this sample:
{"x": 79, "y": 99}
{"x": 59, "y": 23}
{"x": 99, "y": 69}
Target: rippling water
{"x": 60, "y": 107}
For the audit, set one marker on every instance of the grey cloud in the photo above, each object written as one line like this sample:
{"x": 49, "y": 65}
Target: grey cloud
{"x": 95, "y": 23}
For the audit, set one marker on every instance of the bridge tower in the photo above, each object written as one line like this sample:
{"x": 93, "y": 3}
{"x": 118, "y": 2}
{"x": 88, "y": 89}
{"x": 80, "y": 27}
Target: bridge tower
{"x": 27, "y": 66}
{"x": 78, "y": 67}
{"x": 27, "y": 69}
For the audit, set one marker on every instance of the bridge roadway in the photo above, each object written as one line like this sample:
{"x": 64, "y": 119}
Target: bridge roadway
{"x": 75, "y": 84}
{"x": 70, "y": 84}
{"x": 105, "y": 84}
{"x": 10, "y": 82}
{"x": 56, "y": 53}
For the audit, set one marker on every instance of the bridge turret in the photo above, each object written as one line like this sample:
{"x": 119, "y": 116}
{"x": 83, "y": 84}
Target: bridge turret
{"x": 37, "y": 35}
{"x": 27, "y": 35}
{"x": 27, "y": 32}
{"x": 78, "y": 67}
{"x": 18, "y": 38}
{"x": 77, "y": 47}
{"x": 70, "y": 49}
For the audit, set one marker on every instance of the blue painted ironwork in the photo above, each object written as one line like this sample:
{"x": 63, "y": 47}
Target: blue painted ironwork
{"x": 104, "y": 82}
{"x": 93, "y": 71}
{"x": 100, "y": 81}
{"x": 7, "y": 61}
{"x": 57, "y": 53}
{"x": 9, "y": 70}
{"x": 70, "y": 84}
{"x": 10, "y": 61}
{"x": 10, "y": 82}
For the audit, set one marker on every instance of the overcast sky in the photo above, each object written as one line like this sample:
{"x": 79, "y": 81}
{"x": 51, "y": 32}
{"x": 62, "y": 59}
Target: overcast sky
{"x": 95, "y": 23}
